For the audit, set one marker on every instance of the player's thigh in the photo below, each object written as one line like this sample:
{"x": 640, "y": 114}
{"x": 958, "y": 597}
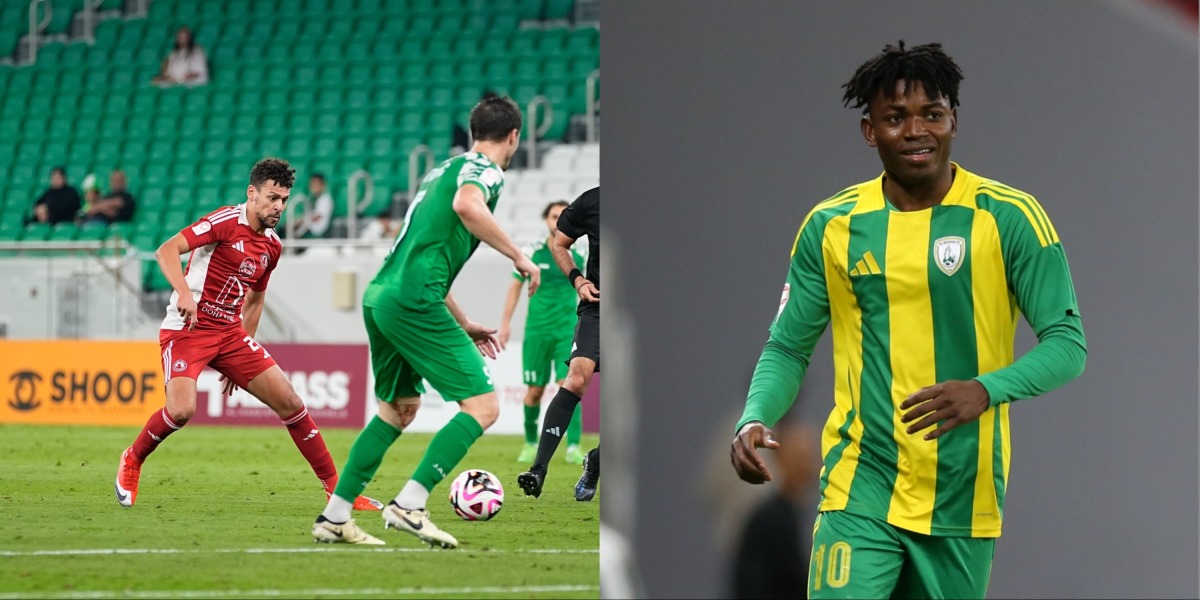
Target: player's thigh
{"x": 945, "y": 567}
{"x": 395, "y": 378}
{"x": 242, "y": 358}
{"x": 274, "y": 389}
{"x": 536, "y": 354}
{"x": 435, "y": 346}
{"x": 587, "y": 336}
{"x": 853, "y": 557}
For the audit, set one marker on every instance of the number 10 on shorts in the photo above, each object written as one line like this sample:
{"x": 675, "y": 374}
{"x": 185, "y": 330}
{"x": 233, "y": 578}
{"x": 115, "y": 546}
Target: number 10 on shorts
{"x": 837, "y": 574}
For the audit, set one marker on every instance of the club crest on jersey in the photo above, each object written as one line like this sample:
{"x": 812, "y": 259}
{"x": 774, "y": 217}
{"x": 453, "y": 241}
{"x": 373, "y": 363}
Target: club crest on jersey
{"x": 264, "y": 260}
{"x": 949, "y": 253}
{"x": 179, "y": 366}
{"x": 248, "y": 268}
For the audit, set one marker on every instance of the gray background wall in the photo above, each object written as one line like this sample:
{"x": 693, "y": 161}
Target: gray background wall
{"x": 724, "y": 127}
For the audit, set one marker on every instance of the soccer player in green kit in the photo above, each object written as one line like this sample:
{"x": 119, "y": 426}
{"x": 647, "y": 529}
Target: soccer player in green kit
{"x": 922, "y": 272}
{"x": 417, "y": 331}
{"x": 549, "y": 329}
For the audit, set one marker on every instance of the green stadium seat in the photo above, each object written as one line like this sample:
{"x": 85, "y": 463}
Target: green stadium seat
{"x": 383, "y": 122}
{"x": 412, "y": 122}
{"x": 504, "y": 22}
{"x": 355, "y": 122}
{"x": 475, "y": 24}
{"x": 354, "y": 148}
{"x": 299, "y": 146}
{"x": 327, "y": 123}
{"x": 242, "y": 150}
{"x": 529, "y": 10}
{"x": 385, "y": 98}
{"x": 326, "y": 146}
{"x": 583, "y": 40}
{"x": 528, "y": 69}
{"x": 441, "y": 96}
{"x": 558, "y": 9}
{"x": 414, "y": 73}
{"x": 36, "y": 232}
{"x": 358, "y": 99}
{"x": 498, "y": 70}
{"x": 10, "y": 229}
{"x": 273, "y": 124}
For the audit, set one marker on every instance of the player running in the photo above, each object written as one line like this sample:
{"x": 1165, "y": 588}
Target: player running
{"x": 416, "y": 330}
{"x": 580, "y": 218}
{"x": 211, "y": 320}
{"x": 549, "y": 327}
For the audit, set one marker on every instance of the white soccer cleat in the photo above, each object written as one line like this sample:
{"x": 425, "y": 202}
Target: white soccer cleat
{"x": 417, "y": 523}
{"x": 347, "y": 533}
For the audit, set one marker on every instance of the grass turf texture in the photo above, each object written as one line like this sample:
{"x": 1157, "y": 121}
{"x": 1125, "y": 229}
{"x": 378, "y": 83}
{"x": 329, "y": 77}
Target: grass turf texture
{"x": 227, "y": 512}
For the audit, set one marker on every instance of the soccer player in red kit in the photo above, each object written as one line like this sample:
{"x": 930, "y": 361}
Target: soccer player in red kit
{"x": 211, "y": 321}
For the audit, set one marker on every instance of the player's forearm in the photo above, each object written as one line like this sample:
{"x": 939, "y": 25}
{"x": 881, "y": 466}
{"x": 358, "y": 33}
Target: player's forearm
{"x": 1059, "y": 357}
{"x": 172, "y": 269}
{"x": 775, "y": 383}
{"x": 510, "y": 302}
{"x": 562, "y": 253}
{"x": 480, "y": 222}
{"x": 456, "y": 311}
{"x": 251, "y": 314}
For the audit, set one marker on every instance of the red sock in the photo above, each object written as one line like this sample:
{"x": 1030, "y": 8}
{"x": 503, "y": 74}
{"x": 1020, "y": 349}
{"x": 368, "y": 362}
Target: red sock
{"x": 308, "y": 439}
{"x": 157, "y": 428}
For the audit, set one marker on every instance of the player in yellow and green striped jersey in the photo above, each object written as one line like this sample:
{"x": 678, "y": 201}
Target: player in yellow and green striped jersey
{"x": 922, "y": 272}
{"x": 549, "y": 329}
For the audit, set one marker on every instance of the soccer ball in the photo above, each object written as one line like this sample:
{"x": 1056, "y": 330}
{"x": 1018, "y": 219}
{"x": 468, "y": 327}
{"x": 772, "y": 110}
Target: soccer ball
{"x": 476, "y": 495}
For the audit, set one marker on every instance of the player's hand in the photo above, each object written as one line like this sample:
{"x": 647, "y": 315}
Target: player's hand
{"x": 187, "y": 309}
{"x": 484, "y": 338}
{"x": 525, "y": 267}
{"x": 952, "y": 403}
{"x": 588, "y": 292}
{"x": 229, "y": 386}
{"x": 503, "y": 337}
{"x": 743, "y": 452}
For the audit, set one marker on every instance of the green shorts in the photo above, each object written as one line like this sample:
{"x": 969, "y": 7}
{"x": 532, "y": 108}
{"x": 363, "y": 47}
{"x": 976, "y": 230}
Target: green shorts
{"x": 542, "y": 351}
{"x": 862, "y": 557}
{"x": 407, "y": 346}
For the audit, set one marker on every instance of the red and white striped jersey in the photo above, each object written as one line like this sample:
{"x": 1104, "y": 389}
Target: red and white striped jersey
{"x": 228, "y": 258}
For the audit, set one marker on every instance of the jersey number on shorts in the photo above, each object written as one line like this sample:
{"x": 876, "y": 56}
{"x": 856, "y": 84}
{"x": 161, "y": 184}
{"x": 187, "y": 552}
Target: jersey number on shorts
{"x": 255, "y": 346}
{"x": 838, "y": 574}
{"x": 488, "y": 372}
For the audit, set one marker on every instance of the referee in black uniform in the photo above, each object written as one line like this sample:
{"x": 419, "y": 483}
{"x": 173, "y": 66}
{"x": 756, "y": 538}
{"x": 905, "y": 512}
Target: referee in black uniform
{"x": 580, "y": 218}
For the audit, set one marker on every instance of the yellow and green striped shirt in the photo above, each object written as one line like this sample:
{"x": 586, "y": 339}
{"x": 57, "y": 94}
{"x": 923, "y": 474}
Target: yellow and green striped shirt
{"x": 916, "y": 298}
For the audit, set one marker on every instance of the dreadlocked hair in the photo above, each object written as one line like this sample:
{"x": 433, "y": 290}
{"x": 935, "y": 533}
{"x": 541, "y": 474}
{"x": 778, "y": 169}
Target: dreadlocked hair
{"x": 927, "y": 64}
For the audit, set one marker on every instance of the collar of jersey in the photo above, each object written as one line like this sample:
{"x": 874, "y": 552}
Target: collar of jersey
{"x": 871, "y": 194}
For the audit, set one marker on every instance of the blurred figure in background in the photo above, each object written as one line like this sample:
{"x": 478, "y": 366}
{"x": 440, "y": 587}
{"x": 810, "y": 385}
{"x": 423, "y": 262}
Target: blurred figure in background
{"x": 186, "y": 64}
{"x": 772, "y": 552}
{"x": 59, "y": 203}
{"x": 114, "y": 207}
{"x": 319, "y": 213}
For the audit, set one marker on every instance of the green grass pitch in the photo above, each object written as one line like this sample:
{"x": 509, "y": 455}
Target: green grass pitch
{"x": 226, "y": 512}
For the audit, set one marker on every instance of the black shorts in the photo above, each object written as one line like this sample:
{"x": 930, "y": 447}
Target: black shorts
{"x": 587, "y": 334}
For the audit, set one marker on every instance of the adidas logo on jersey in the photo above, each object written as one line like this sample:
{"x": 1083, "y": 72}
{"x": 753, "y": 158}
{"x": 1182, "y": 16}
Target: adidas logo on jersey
{"x": 240, "y": 247}
{"x": 554, "y": 431}
{"x": 866, "y": 266}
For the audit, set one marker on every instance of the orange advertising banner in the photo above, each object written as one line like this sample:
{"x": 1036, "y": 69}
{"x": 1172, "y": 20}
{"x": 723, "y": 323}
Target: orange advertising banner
{"x": 79, "y": 382}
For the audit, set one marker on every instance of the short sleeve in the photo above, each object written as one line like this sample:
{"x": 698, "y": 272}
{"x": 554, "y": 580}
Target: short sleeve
{"x": 570, "y": 221}
{"x": 205, "y": 231}
{"x": 486, "y": 177}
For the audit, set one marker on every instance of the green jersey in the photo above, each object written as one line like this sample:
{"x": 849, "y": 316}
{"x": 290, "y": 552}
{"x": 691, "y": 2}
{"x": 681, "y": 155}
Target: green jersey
{"x": 433, "y": 245}
{"x": 552, "y": 307}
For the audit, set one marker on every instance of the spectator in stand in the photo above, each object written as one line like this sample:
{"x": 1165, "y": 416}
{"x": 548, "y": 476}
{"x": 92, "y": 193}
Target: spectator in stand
{"x": 384, "y": 227}
{"x": 187, "y": 63}
{"x": 116, "y": 206}
{"x": 319, "y": 214}
{"x": 59, "y": 203}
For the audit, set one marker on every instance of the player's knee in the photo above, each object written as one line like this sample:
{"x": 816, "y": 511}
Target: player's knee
{"x": 485, "y": 411}
{"x": 577, "y": 382}
{"x": 534, "y": 396}
{"x": 181, "y": 414}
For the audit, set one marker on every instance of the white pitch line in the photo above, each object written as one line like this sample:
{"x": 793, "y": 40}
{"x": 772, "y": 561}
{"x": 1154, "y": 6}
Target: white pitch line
{"x": 409, "y": 591}
{"x": 298, "y": 550}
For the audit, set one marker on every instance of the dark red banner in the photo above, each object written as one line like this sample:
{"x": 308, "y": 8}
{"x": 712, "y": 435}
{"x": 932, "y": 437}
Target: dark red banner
{"x": 331, "y": 379}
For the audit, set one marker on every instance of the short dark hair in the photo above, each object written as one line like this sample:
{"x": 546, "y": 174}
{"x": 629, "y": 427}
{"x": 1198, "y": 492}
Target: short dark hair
{"x": 928, "y": 64}
{"x": 61, "y": 170}
{"x": 273, "y": 169}
{"x": 546, "y": 211}
{"x": 493, "y": 118}
{"x": 320, "y": 176}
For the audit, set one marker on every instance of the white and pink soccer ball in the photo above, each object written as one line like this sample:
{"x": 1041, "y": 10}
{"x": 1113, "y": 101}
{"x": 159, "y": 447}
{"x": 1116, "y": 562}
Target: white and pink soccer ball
{"x": 476, "y": 495}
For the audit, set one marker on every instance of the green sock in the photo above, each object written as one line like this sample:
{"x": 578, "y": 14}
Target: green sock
{"x": 448, "y": 447}
{"x": 575, "y": 428}
{"x": 365, "y": 456}
{"x": 531, "y": 423}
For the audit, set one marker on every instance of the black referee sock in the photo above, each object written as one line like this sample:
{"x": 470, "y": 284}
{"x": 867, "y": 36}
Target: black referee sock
{"x": 554, "y": 427}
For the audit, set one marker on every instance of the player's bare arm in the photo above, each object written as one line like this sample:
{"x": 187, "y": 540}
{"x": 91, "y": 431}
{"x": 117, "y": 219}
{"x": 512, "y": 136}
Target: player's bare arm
{"x": 743, "y": 452}
{"x": 471, "y": 207}
{"x": 483, "y": 336}
{"x": 561, "y": 251}
{"x": 510, "y": 306}
{"x": 167, "y": 256}
{"x": 952, "y": 403}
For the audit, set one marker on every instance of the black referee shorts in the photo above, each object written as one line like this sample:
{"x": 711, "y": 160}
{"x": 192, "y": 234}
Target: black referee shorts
{"x": 587, "y": 334}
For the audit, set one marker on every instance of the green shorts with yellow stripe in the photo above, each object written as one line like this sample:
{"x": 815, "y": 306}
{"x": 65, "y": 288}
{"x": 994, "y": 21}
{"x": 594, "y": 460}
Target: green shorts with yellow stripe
{"x": 408, "y": 346}
{"x": 854, "y": 556}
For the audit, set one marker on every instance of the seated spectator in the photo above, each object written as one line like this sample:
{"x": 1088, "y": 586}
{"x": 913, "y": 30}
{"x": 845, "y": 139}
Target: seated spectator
{"x": 383, "y": 228}
{"x": 319, "y": 214}
{"x": 91, "y": 199}
{"x": 187, "y": 63}
{"x": 59, "y": 203}
{"x": 114, "y": 207}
